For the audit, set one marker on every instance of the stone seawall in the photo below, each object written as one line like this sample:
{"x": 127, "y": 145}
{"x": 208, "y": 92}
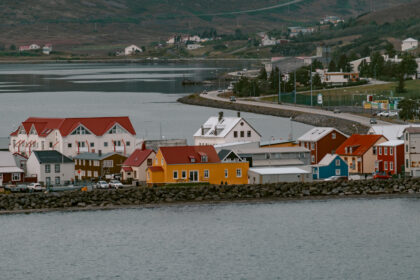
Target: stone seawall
{"x": 346, "y": 126}
{"x": 206, "y": 193}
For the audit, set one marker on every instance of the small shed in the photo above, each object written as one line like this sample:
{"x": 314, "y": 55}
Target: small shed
{"x": 269, "y": 175}
{"x": 330, "y": 165}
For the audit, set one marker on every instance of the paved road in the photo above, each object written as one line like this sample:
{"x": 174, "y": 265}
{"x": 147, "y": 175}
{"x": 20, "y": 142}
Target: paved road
{"x": 359, "y": 119}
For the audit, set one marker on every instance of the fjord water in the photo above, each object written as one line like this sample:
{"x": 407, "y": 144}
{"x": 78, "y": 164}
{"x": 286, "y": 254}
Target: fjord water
{"x": 146, "y": 92}
{"x": 332, "y": 239}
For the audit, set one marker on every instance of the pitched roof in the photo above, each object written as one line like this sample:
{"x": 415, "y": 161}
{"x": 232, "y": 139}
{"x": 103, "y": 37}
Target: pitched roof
{"x": 6, "y": 159}
{"x": 223, "y": 126}
{"x": 357, "y": 144}
{"x": 97, "y": 125}
{"x": 410, "y": 40}
{"x": 317, "y": 133}
{"x": 327, "y": 159}
{"x": 137, "y": 157}
{"x": 184, "y": 154}
{"x": 223, "y": 154}
{"x": 278, "y": 170}
{"x": 391, "y": 132}
{"x": 412, "y": 129}
{"x": 95, "y": 156}
{"x": 392, "y": 143}
{"x": 51, "y": 157}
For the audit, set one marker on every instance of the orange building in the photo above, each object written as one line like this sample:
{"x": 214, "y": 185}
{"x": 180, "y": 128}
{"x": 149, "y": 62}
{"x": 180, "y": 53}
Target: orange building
{"x": 190, "y": 164}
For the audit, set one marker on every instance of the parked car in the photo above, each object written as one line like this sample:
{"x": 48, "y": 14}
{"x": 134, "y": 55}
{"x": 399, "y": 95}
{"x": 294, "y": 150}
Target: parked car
{"x": 115, "y": 184}
{"x": 373, "y": 121}
{"x": 393, "y": 114}
{"x": 232, "y": 99}
{"x": 36, "y": 187}
{"x": 336, "y": 178}
{"x": 102, "y": 185}
{"x": 383, "y": 114}
{"x": 381, "y": 175}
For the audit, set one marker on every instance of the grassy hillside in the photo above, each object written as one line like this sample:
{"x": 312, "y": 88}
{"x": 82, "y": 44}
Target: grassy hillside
{"x": 106, "y": 24}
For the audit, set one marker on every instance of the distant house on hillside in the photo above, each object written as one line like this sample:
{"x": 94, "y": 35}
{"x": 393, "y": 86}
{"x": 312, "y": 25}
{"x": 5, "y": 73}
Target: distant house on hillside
{"x": 34, "y": 47}
{"x": 331, "y": 19}
{"x": 24, "y": 48}
{"x": 409, "y": 44}
{"x": 47, "y": 49}
{"x": 132, "y": 49}
{"x": 337, "y": 78}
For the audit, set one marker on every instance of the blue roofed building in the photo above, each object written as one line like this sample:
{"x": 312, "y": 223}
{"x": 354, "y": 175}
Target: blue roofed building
{"x": 330, "y": 165}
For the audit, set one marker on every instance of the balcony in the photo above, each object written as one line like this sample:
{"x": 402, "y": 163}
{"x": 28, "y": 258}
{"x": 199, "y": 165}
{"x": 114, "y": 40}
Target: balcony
{"x": 83, "y": 149}
{"x": 119, "y": 149}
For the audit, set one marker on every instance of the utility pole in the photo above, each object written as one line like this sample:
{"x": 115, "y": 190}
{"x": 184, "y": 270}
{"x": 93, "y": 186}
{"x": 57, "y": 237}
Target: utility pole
{"x": 295, "y": 83}
{"x": 311, "y": 85}
{"x": 279, "y": 99}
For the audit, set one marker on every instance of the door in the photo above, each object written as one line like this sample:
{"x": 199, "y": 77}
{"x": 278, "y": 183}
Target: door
{"x": 193, "y": 176}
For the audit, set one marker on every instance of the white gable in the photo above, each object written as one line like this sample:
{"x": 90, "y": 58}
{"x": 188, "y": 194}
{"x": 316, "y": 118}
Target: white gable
{"x": 317, "y": 133}
{"x": 214, "y": 127}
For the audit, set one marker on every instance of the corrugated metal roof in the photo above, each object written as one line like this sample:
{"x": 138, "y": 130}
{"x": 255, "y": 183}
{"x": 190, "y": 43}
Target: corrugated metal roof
{"x": 318, "y": 133}
{"x": 51, "y": 157}
{"x": 279, "y": 170}
{"x": 392, "y": 143}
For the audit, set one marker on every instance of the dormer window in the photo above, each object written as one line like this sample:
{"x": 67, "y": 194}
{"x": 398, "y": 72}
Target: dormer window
{"x": 192, "y": 159}
{"x": 80, "y": 131}
{"x": 204, "y": 158}
{"x": 22, "y": 130}
{"x": 116, "y": 129}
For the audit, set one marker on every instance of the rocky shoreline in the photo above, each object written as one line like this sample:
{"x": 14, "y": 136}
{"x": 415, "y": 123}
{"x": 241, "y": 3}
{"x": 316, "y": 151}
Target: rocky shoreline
{"x": 146, "y": 196}
{"x": 346, "y": 126}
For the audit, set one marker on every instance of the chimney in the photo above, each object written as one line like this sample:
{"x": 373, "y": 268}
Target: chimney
{"x": 239, "y": 114}
{"x": 220, "y": 115}
{"x": 202, "y": 130}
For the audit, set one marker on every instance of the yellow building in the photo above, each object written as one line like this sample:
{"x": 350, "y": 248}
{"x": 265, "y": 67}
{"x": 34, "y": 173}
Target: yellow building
{"x": 193, "y": 164}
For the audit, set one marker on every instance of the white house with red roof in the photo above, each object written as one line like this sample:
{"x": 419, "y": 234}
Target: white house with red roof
{"x": 71, "y": 136}
{"x": 135, "y": 166}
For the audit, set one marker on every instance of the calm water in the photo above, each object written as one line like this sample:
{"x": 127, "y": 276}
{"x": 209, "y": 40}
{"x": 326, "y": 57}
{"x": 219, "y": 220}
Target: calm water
{"x": 145, "y": 92}
{"x": 341, "y": 239}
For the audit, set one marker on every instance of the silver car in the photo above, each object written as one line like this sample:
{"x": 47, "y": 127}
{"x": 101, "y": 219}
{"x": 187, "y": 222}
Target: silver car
{"x": 102, "y": 185}
{"x": 115, "y": 184}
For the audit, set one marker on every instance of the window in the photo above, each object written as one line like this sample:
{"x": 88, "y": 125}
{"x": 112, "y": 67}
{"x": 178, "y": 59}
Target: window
{"x": 117, "y": 143}
{"x": 375, "y": 150}
{"x": 47, "y": 168}
{"x": 96, "y": 163}
{"x": 385, "y": 165}
{"x": 105, "y": 144}
{"x": 333, "y": 136}
{"x": 175, "y": 174}
{"x": 161, "y": 161}
{"x": 80, "y": 130}
{"x": 57, "y": 168}
{"x": 204, "y": 158}
{"x": 95, "y": 174}
{"x": 391, "y": 165}
{"x": 226, "y": 173}
{"x": 116, "y": 130}
{"x": 248, "y": 133}
{"x": 406, "y": 163}
{"x": 406, "y": 148}
{"x": 239, "y": 172}
{"x": 391, "y": 151}
{"x": 51, "y": 144}
{"x": 385, "y": 151}
{"x": 406, "y": 136}
{"x": 380, "y": 151}
{"x": 127, "y": 143}
{"x": 313, "y": 158}
{"x": 16, "y": 177}
{"x": 242, "y": 134}
{"x": 108, "y": 163}
{"x": 206, "y": 174}
{"x": 48, "y": 181}
{"x": 89, "y": 173}
{"x": 69, "y": 145}
{"x": 57, "y": 180}
{"x": 92, "y": 144}
{"x": 235, "y": 134}
{"x": 312, "y": 146}
{"x": 184, "y": 174}
{"x": 337, "y": 172}
{"x": 81, "y": 144}
{"x": 337, "y": 162}
{"x": 149, "y": 162}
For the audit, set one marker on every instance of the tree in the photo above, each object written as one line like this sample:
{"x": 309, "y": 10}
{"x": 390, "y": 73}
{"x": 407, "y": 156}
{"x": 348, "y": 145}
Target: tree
{"x": 343, "y": 63}
{"x": 263, "y": 74}
{"x": 12, "y": 47}
{"x": 408, "y": 66}
{"x": 408, "y": 109}
{"x": 332, "y": 67}
{"x": 317, "y": 65}
{"x": 316, "y": 80}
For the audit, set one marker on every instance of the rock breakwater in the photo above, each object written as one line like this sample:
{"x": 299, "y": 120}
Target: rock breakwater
{"x": 206, "y": 193}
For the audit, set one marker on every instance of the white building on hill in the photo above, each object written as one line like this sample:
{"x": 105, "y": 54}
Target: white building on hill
{"x": 409, "y": 44}
{"x": 220, "y": 130}
{"x": 132, "y": 49}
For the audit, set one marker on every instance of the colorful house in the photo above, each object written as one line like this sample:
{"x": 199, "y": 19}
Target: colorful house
{"x": 412, "y": 151}
{"x": 321, "y": 141}
{"x": 91, "y": 166}
{"x": 10, "y": 173}
{"x": 192, "y": 164}
{"x": 330, "y": 165}
{"x": 359, "y": 152}
{"x": 135, "y": 166}
{"x": 390, "y": 157}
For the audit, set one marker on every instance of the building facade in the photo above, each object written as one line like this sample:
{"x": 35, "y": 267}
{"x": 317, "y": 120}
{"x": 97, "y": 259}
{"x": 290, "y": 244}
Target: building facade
{"x": 135, "y": 166}
{"x": 390, "y": 157}
{"x": 359, "y": 152}
{"x": 92, "y": 166}
{"x": 321, "y": 141}
{"x": 271, "y": 175}
{"x": 270, "y": 157}
{"x": 330, "y": 165}
{"x": 72, "y": 136}
{"x": 409, "y": 44}
{"x": 194, "y": 164}
{"x": 10, "y": 173}
{"x": 221, "y": 130}
{"x": 412, "y": 151}
{"x": 51, "y": 168}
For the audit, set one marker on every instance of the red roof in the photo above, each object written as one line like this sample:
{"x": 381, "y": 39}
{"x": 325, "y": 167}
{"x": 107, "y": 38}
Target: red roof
{"x": 127, "y": 169}
{"x": 137, "y": 157}
{"x": 358, "y": 145}
{"x": 156, "y": 168}
{"x": 98, "y": 126}
{"x": 184, "y": 154}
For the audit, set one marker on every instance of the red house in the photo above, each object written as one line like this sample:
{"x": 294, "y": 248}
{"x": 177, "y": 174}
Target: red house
{"x": 390, "y": 157}
{"x": 321, "y": 141}
{"x": 9, "y": 172}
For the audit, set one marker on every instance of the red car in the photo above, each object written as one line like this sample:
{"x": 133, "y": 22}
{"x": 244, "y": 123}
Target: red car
{"x": 381, "y": 175}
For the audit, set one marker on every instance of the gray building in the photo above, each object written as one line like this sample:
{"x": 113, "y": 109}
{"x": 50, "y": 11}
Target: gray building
{"x": 283, "y": 156}
{"x": 268, "y": 175}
